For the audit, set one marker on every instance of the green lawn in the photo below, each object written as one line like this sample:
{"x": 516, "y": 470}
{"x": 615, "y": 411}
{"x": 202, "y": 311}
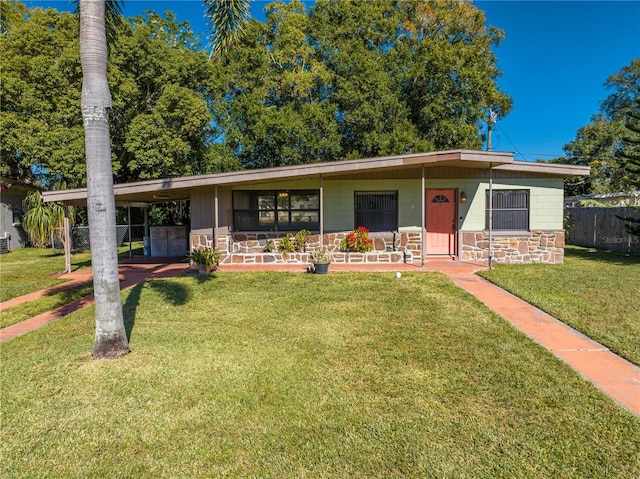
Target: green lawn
{"x": 295, "y": 375}
{"x": 46, "y": 303}
{"x": 27, "y": 270}
{"x": 594, "y": 291}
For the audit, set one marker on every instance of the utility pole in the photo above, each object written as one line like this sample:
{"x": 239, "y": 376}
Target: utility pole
{"x": 493, "y": 116}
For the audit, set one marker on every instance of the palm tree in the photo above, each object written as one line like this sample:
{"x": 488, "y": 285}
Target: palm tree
{"x": 227, "y": 18}
{"x": 111, "y": 337}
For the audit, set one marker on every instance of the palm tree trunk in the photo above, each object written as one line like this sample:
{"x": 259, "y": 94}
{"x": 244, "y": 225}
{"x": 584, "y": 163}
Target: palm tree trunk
{"x": 111, "y": 337}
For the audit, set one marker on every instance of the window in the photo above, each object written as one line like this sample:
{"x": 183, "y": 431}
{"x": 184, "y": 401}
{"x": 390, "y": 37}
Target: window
{"x": 510, "y": 210}
{"x": 377, "y": 210}
{"x": 284, "y": 210}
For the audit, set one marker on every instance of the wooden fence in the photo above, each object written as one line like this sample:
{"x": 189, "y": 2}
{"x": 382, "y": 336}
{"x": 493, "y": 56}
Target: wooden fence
{"x": 601, "y": 228}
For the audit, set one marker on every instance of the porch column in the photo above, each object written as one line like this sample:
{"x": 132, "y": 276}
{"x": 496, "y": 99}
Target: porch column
{"x": 490, "y": 214}
{"x": 321, "y": 213}
{"x": 129, "y": 225}
{"x": 216, "y": 204}
{"x": 423, "y": 235}
{"x": 146, "y": 241}
{"x": 67, "y": 241}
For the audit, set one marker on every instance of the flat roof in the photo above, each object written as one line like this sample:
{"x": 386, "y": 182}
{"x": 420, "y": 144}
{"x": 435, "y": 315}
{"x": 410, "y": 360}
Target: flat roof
{"x": 172, "y": 189}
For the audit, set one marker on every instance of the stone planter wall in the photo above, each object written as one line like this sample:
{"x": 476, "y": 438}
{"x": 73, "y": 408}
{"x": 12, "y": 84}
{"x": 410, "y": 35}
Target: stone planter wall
{"x": 536, "y": 247}
{"x": 248, "y": 248}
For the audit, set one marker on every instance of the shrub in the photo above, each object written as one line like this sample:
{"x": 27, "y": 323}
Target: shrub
{"x": 287, "y": 244}
{"x": 357, "y": 241}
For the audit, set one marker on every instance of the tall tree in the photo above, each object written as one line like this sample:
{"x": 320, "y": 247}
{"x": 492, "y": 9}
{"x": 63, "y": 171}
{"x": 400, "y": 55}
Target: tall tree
{"x": 111, "y": 340}
{"x": 630, "y": 158}
{"x": 354, "y": 78}
{"x": 11, "y": 12}
{"x": 111, "y": 337}
{"x": 40, "y": 124}
{"x": 598, "y": 143}
{"x": 160, "y": 123}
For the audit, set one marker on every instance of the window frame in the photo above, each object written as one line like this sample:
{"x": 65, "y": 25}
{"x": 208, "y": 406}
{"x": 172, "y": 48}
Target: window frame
{"x": 499, "y": 210}
{"x": 275, "y": 211}
{"x": 394, "y": 213}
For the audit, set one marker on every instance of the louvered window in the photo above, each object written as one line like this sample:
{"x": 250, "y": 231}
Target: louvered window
{"x": 376, "y": 210}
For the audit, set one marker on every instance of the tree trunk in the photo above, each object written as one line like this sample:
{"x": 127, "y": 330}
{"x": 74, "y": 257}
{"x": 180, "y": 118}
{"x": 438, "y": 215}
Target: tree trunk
{"x": 111, "y": 337}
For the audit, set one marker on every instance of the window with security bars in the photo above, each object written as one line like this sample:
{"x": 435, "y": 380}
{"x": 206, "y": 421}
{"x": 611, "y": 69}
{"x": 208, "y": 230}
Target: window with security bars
{"x": 376, "y": 210}
{"x": 510, "y": 210}
{"x": 270, "y": 210}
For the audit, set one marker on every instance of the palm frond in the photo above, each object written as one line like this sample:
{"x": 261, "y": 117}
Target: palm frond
{"x": 227, "y": 19}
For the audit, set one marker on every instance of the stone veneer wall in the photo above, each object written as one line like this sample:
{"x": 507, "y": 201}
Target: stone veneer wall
{"x": 248, "y": 248}
{"x": 536, "y": 247}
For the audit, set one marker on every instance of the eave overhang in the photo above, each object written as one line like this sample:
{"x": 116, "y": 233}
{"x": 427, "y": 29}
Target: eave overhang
{"x": 174, "y": 189}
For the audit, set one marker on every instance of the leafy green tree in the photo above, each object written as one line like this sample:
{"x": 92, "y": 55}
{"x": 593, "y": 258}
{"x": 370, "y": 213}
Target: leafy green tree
{"x": 270, "y": 94}
{"x": 630, "y": 158}
{"x": 40, "y": 122}
{"x": 11, "y": 13}
{"x": 449, "y": 71}
{"x": 160, "y": 124}
{"x": 160, "y": 120}
{"x": 598, "y": 144}
{"x": 43, "y": 221}
{"x": 358, "y": 79}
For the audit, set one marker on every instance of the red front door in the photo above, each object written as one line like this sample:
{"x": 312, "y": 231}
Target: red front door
{"x": 441, "y": 222}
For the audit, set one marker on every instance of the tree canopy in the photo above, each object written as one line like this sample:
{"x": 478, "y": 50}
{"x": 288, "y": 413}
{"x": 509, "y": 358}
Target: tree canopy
{"x": 355, "y": 78}
{"x": 160, "y": 123}
{"x": 344, "y": 79}
{"x": 599, "y": 143}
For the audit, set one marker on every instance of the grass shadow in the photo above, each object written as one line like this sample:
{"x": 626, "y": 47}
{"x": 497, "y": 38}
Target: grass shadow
{"x": 595, "y": 254}
{"x": 172, "y": 292}
{"x": 71, "y": 293}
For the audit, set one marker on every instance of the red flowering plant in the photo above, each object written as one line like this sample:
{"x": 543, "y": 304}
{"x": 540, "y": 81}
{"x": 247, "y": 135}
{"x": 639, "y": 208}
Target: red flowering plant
{"x": 357, "y": 241}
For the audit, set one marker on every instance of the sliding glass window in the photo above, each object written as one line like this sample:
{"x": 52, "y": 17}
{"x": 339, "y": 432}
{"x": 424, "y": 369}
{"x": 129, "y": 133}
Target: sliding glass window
{"x": 276, "y": 210}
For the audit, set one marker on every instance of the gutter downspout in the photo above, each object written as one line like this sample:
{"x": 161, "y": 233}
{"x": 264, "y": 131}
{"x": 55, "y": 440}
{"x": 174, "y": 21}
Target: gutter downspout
{"x": 423, "y": 234}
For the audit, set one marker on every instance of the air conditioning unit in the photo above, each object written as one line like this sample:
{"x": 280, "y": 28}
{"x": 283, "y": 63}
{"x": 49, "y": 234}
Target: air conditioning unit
{"x": 4, "y": 245}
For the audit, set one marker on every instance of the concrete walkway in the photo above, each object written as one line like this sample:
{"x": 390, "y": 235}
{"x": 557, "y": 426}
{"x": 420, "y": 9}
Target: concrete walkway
{"x": 610, "y": 373}
{"x": 613, "y": 375}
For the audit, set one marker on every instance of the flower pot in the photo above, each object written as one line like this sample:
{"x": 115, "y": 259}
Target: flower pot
{"x": 205, "y": 269}
{"x": 321, "y": 268}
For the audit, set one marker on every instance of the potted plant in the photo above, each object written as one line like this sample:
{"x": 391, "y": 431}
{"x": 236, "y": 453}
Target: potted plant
{"x": 321, "y": 260}
{"x": 206, "y": 259}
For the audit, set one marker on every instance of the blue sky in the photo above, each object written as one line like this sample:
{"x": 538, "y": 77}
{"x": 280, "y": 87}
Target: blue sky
{"x": 555, "y": 59}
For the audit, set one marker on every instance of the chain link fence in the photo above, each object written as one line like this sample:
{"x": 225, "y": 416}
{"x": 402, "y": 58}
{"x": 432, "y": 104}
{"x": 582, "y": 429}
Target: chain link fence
{"x": 80, "y": 236}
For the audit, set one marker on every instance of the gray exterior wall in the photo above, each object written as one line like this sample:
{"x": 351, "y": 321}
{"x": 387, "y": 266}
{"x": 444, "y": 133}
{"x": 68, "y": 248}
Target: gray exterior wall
{"x": 10, "y": 215}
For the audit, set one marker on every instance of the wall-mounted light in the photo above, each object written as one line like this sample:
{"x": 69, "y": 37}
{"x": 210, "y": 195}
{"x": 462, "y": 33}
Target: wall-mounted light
{"x": 463, "y": 197}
